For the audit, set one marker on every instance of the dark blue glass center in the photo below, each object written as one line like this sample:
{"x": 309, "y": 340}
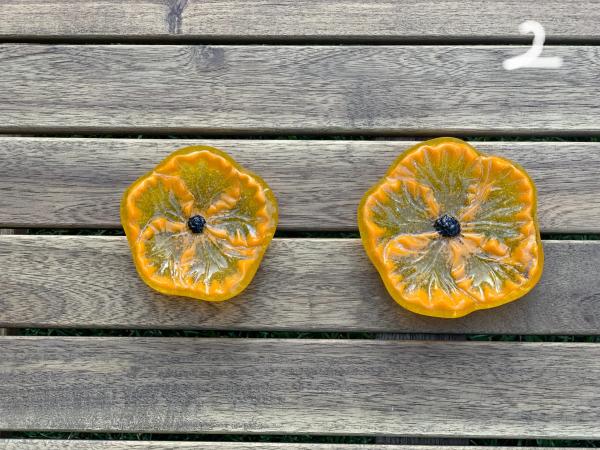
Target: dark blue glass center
{"x": 196, "y": 224}
{"x": 447, "y": 226}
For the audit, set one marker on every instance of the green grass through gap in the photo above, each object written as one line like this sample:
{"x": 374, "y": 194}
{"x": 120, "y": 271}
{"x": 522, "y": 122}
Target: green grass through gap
{"x": 305, "y": 439}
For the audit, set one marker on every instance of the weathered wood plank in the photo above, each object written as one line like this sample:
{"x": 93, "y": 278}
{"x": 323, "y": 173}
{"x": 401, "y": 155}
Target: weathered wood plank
{"x": 266, "y": 20}
{"x": 411, "y": 441}
{"x": 472, "y": 389}
{"x": 288, "y": 89}
{"x": 41, "y": 444}
{"x": 80, "y": 444}
{"x": 303, "y": 284}
{"x": 79, "y": 182}
{"x": 5, "y": 232}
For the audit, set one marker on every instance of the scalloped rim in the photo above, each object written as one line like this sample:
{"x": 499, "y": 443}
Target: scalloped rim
{"x": 252, "y": 269}
{"x": 511, "y": 296}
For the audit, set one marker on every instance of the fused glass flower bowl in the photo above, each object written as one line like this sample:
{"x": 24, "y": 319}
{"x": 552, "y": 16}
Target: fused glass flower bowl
{"x": 199, "y": 224}
{"x": 451, "y": 230}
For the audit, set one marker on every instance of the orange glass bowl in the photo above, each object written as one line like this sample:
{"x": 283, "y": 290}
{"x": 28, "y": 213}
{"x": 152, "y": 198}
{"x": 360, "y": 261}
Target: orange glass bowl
{"x": 198, "y": 224}
{"x": 451, "y": 230}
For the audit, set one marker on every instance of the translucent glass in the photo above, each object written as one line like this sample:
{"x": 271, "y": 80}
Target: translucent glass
{"x": 240, "y": 215}
{"x": 497, "y": 256}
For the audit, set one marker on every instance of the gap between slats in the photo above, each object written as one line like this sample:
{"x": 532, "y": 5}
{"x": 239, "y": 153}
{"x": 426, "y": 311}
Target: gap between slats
{"x": 296, "y": 41}
{"x": 189, "y": 444}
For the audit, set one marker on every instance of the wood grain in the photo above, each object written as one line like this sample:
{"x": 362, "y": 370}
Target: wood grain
{"x": 303, "y": 284}
{"x": 5, "y": 232}
{"x": 79, "y": 444}
{"x": 295, "y": 89}
{"x": 268, "y": 386}
{"x": 411, "y": 441}
{"x": 79, "y": 182}
{"x": 343, "y": 20}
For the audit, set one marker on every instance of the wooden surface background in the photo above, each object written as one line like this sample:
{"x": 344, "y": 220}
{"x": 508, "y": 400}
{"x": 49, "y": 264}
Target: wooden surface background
{"x": 195, "y": 69}
{"x": 342, "y": 20}
{"x": 301, "y": 386}
{"x": 275, "y": 90}
{"x": 80, "y": 444}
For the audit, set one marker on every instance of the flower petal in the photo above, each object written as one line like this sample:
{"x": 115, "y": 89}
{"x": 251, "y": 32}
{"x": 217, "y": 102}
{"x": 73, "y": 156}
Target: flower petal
{"x": 500, "y": 203}
{"x": 396, "y": 208}
{"x": 242, "y": 220}
{"x": 161, "y": 251}
{"x": 419, "y": 270}
{"x": 407, "y": 245}
{"x": 206, "y": 174}
{"x": 156, "y": 196}
{"x": 446, "y": 168}
{"x": 487, "y": 268}
{"x": 218, "y": 265}
{"x": 225, "y": 201}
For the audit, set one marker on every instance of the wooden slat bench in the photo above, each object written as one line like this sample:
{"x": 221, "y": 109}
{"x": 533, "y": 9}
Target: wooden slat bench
{"x": 339, "y": 20}
{"x": 22, "y": 444}
{"x": 296, "y": 386}
{"x": 38, "y": 444}
{"x": 259, "y": 89}
{"x": 270, "y": 83}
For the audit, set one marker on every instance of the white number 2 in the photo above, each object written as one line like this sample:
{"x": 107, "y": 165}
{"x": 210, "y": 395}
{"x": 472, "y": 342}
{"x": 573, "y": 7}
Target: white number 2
{"x": 532, "y": 58}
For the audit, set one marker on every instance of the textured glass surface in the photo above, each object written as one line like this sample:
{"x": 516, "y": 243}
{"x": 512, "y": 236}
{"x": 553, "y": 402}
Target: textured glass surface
{"x": 497, "y": 255}
{"x": 240, "y": 216}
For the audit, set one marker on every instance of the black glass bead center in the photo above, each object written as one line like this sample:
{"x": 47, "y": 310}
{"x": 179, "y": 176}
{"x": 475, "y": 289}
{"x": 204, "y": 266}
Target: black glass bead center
{"x": 447, "y": 226}
{"x": 196, "y": 224}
